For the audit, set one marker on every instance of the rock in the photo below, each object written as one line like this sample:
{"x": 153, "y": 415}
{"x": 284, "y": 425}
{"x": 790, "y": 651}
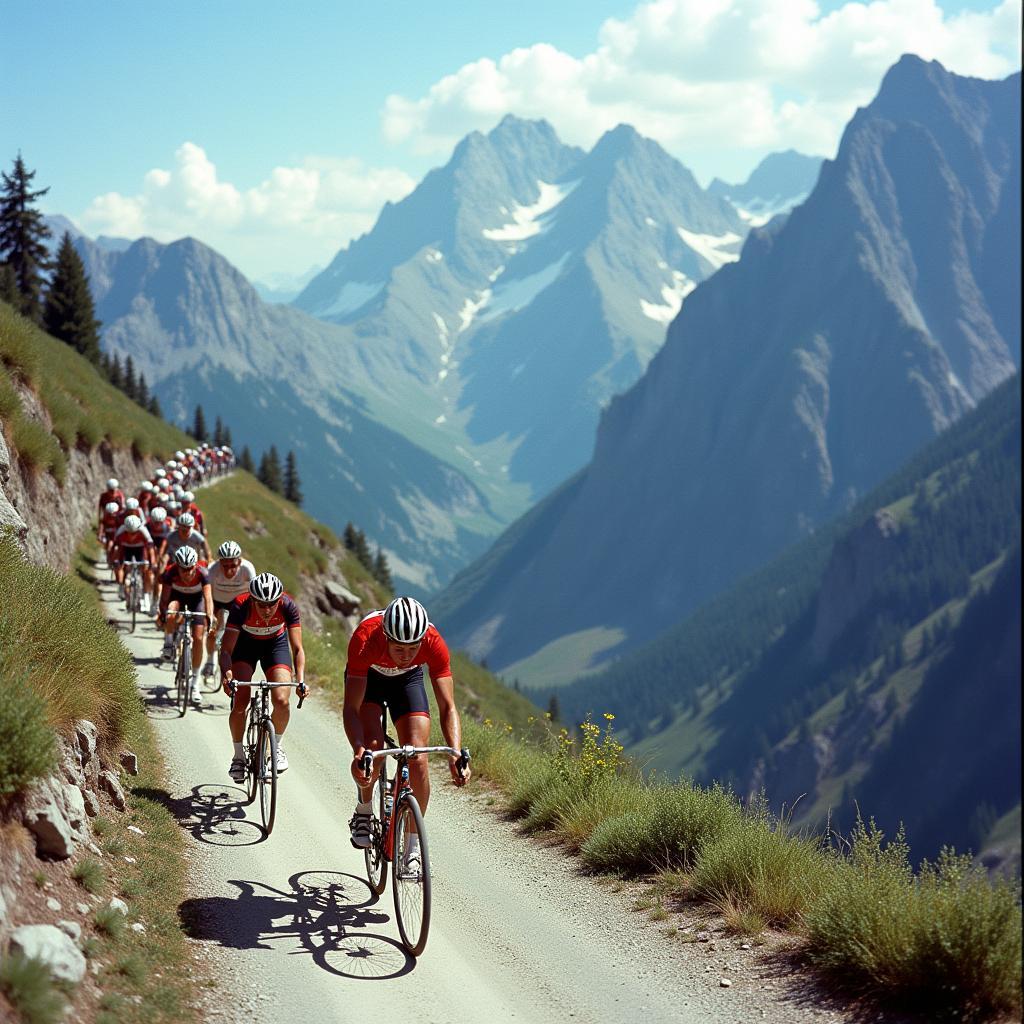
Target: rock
{"x": 71, "y": 766}
{"x": 46, "y": 820}
{"x": 82, "y": 908}
{"x": 71, "y": 928}
{"x": 139, "y": 927}
{"x": 85, "y": 732}
{"x": 74, "y": 806}
{"x": 129, "y": 762}
{"x": 92, "y": 803}
{"x": 703, "y": 936}
{"x": 93, "y": 848}
{"x": 340, "y": 598}
{"x": 119, "y": 905}
{"x": 322, "y": 604}
{"x": 745, "y": 945}
{"x": 52, "y": 904}
{"x": 53, "y": 947}
{"x": 110, "y": 785}
{"x": 135, "y": 828}
{"x": 725, "y": 983}
{"x": 9, "y": 517}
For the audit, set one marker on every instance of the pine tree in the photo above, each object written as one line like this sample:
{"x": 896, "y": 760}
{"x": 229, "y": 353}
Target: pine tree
{"x": 69, "y": 313}
{"x": 554, "y": 710}
{"x": 292, "y": 483}
{"x": 270, "y": 470}
{"x": 154, "y": 407}
{"x": 245, "y": 460}
{"x": 218, "y": 433}
{"x": 349, "y": 537}
{"x": 142, "y": 391}
{"x": 131, "y": 385}
{"x": 227, "y": 436}
{"x": 382, "y": 571}
{"x": 9, "y": 285}
{"x": 22, "y": 235}
{"x": 199, "y": 425}
{"x": 116, "y": 373}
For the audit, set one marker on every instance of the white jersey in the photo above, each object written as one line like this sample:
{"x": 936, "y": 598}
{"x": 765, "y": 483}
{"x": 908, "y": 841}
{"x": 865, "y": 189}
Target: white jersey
{"x": 225, "y": 589}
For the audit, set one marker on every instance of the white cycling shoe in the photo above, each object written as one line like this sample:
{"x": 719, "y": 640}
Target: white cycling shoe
{"x": 282, "y": 761}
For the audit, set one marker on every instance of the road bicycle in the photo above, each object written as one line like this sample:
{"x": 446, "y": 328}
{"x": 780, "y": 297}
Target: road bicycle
{"x": 183, "y": 659}
{"x": 396, "y": 816}
{"x": 134, "y": 589}
{"x": 260, "y": 746}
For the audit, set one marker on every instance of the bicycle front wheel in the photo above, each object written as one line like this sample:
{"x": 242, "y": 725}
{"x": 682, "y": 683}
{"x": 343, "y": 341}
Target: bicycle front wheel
{"x": 266, "y": 765}
{"x": 252, "y": 771}
{"x": 411, "y": 880}
{"x": 376, "y": 865}
{"x": 184, "y": 676}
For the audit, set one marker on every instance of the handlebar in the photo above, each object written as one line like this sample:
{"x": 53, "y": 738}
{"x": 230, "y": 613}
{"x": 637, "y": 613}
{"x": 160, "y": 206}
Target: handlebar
{"x": 264, "y": 684}
{"x": 407, "y": 751}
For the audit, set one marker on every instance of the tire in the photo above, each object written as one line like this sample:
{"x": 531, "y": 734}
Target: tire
{"x": 132, "y": 600}
{"x": 376, "y": 864}
{"x": 266, "y": 763}
{"x": 412, "y": 894}
{"x": 252, "y": 742}
{"x": 184, "y": 674}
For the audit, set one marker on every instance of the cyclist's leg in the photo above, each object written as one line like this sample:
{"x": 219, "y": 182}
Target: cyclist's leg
{"x": 241, "y": 672}
{"x": 172, "y": 619}
{"x": 198, "y": 629}
{"x": 414, "y": 729}
{"x": 276, "y": 659}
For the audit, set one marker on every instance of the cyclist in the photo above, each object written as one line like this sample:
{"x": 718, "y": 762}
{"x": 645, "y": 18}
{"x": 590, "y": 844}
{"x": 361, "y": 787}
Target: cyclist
{"x": 386, "y": 655}
{"x": 110, "y": 520}
{"x": 132, "y": 541}
{"x": 185, "y": 585}
{"x": 188, "y": 504}
{"x": 263, "y": 628}
{"x": 230, "y": 577}
{"x": 159, "y": 526}
{"x": 112, "y": 493}
{"x": 184, "y": 533}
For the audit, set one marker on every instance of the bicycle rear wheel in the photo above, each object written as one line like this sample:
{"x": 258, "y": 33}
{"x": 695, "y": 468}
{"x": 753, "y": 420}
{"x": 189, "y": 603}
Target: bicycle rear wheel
{"x": 131, "y": 600}
{"x": 411, "y": 887}
{"x": 184, "y": 675}
{"x": 376, "y": 865}
{"x": 267, "y": 766}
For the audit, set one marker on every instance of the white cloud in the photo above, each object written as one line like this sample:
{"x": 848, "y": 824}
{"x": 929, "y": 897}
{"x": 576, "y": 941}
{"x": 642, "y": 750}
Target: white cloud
{"x": 718, "y": 82}
{"x": 295, "y": 217}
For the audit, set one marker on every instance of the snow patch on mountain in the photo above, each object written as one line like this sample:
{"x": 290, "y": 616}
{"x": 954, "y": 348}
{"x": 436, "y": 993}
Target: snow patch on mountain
{"x": 527, "y": 221}
{"x": 353, "y": 295}
{"x": 760, "y": 211}
{"x": 672, "y": 296}
{"x": 470, "y": 308}
{"x": 714, "y": 249}
{"x": 514, "y": 295}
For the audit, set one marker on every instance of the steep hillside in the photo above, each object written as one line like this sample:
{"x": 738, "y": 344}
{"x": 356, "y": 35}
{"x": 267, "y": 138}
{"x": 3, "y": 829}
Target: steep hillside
{"x": 791, "y": 382}
{"x": 853, "y": 652}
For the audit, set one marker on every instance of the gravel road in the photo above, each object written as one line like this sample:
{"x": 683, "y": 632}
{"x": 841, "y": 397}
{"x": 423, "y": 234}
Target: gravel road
{"x": 517, "y": 933}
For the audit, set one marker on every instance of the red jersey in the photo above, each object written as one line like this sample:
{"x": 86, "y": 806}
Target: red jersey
{"x": 242, "y": 616}
{"x": 109, "y": 522}
{"x": 125, "y": 538}
{"x": 108, "y": 496}
{"x": 368, "y": 648}
{"x": 173, "y": 577}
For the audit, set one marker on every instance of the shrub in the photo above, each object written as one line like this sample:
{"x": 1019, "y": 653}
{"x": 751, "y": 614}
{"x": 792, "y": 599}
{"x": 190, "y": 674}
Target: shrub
{"x": 89, "y": 874}
{"x": 28, "y": 748}
{"x": 31, "y": 990}
{"x": 759, "y": 866}
{"x": 109, "y": 921}
{"x": 947, "y": 940}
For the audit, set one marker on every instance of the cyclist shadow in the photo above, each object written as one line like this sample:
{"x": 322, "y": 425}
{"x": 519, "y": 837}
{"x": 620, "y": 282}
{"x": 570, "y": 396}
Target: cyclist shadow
{"x": 327, "y": 913}
{"x": 212, "y": 814}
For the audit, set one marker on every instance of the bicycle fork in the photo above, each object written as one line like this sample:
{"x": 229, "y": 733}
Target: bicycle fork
{"x": 400, "y": 781}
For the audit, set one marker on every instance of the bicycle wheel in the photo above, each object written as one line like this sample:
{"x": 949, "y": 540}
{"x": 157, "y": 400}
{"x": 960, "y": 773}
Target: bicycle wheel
{"x": 185, "y": 675}
{"x": 376, "y": 865}
{"x": 252, "y": 743}
{"x": 132, "y": 590}
{"x": 266, "y": 764}
{"x": 411, "y": 888}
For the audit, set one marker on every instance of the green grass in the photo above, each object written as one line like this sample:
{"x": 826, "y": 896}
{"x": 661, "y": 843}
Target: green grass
{"x": 109, "y": 922}
{"x": 28, "y": 748}
{"x": 29, "y": 987}
{"x": 564, "y": 660}
{"x": 89, "y": 874}
{"x": 83, "y": 406}
{"x": 81, "y": 670}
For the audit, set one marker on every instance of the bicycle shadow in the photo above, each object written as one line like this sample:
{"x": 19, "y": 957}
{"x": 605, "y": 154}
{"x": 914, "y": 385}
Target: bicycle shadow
{"x": 324, "y": 914}
{"x": 212, "y": 814}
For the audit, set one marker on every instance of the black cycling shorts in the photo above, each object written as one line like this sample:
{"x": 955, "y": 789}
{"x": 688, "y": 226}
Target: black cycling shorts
{"x": 270, "y": 653}
{"x": 400, "y": 695}
{"x": 222, "y": 606}
{"x": 137, "y": 554}
{"x": 188, "y": 602}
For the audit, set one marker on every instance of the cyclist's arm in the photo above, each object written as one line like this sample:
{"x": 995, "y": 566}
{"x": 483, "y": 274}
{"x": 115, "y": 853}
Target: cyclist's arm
{"x": 165, "y": 598}
{"x": 227, "y": 649}
{"x": 355, "y": 692}
{"x": 298, "y": 653}
{"x": 451, "y": 725}
{"x": 208, "y": 603}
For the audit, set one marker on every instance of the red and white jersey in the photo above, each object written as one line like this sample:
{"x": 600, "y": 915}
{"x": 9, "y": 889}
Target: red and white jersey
{"x": 110, "y": 521}
{"x": 368, "y": 648}
{"x": 126, "y": 538}
{"x": 108, "y": 496}
{"x": 185, "y": 581}
{"x": 243, "y": 616}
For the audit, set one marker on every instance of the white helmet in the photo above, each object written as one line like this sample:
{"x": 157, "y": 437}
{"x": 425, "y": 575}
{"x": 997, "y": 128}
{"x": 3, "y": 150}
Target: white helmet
{"x": 159, "y": 514}
{"x": 177, "y": 490}
{"x": 165, "y": 484}
{"x": 161, "y": 472}
{"x": 180, "y": 456}
{"x": 229, "y": 549}
{"x": 148, "y": 485}
{"x": 189, "y": 496}
{"x": 405, "y": 621}
{"x": 131, "y": 504}
{"x": 186, "y": 519}
{"x": 177, "y": 476}
{"x": 112, "y": 484}
{"x": 171, "y": 464}
{"x": 186, "y": 556}
{"x": 132, "y": 523}
{"x": 111, "y": 507}
{"x": 266, "y": 587}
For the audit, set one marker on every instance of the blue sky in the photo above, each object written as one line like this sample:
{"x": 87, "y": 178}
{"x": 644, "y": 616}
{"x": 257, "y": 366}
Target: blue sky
{"x": 276, "y": 136}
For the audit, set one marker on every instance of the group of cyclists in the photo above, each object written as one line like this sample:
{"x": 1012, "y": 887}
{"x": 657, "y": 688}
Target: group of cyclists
{"x": 256, "y": 624}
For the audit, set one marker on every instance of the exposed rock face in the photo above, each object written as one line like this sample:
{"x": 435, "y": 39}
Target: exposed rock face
{"x": 857, "y": 562}
{"x": 53, "y": 947}
{"x": 9, "y": 518}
